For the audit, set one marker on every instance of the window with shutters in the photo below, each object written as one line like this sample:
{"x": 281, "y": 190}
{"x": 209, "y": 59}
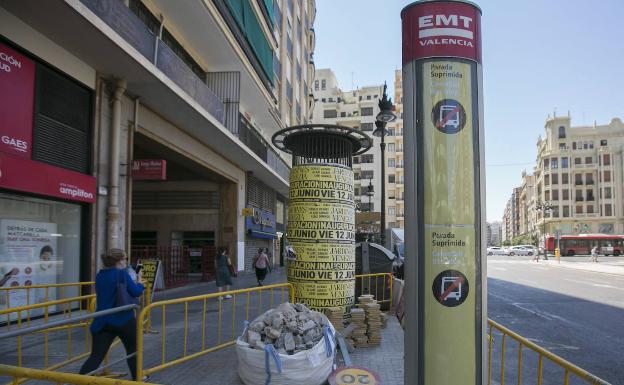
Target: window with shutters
{"x": 260, "y": 195}
{"x": 367, "y": 126}
{"x": 62, "y": 127}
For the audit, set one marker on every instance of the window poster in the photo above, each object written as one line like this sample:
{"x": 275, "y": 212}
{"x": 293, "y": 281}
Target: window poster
{"x": 28, "y": 255}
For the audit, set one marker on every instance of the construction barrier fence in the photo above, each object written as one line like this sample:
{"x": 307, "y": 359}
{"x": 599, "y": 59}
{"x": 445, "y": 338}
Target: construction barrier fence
{"x": 19, "y": 375}
{"x": 54, "y": 347}
{"x": 514, "y": 359}
{"x": 222, "y": 320}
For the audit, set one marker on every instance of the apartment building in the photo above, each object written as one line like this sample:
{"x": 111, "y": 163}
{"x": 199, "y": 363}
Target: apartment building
{"x": 511, "y": 216}
{"x": 579, "y": 172}
{"x": 395, "y": 165}
{"x": 358, "y": 109}
{"x": 146, "y": 124}
{"x": 494, "y": 233}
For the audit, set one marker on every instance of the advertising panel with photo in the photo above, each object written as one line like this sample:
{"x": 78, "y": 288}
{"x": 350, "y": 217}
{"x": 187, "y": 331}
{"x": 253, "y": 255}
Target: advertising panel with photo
{"x": 27, "y": 256}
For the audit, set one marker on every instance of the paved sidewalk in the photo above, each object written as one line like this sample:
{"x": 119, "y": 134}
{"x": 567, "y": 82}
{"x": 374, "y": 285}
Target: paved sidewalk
{"x": 215, "y": 368}
{"x": 608, "y": 265}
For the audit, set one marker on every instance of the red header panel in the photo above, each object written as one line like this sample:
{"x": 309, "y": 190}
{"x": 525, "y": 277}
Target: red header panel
{"x": 17, "y": 86}
{"x": 149, "y": 169}
{"x": 441, "y": 29}
{"x": 40, "y": 178}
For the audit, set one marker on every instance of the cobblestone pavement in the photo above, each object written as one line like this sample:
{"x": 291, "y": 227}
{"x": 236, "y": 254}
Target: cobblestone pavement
{"x": 215, "y": 368}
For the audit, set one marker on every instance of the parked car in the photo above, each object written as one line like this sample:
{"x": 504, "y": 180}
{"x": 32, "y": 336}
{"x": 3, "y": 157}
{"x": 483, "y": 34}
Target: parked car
{"x": 519, "y": 250}
{"x": 495, "y": 250}
{"x": 532, "y": 250}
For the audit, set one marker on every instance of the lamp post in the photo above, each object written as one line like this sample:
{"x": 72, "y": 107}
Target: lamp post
{"x": 544, "y": 207}
{"x": 384, "y": 116}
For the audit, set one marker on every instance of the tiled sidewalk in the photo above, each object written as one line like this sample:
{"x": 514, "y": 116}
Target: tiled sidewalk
{"x": 219, "y": 367}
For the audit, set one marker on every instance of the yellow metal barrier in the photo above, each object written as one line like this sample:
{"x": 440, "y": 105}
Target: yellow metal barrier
{"x": 67, "y": 305}
{"x": 226, "y": 316}
{"x": 62, "y": 288}
{"x": 370, "y": 284}
{"x": 566, "y": 367}
{"x": 64, "y": 309}
{"x": 24, "y": 374}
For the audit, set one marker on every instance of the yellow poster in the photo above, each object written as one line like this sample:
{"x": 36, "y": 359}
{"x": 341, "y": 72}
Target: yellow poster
{"x": 449, "y": 219}
{"x": 321, "y": 230}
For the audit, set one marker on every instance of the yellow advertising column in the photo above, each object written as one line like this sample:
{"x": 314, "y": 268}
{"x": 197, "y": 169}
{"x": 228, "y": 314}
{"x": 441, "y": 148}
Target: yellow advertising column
{"x": 445, "y": 304}
{"x": 321, "y": 230}
{"x": 321, "y": 212}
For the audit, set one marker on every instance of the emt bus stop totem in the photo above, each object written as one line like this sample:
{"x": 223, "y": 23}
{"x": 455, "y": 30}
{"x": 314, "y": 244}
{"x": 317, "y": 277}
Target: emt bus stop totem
{"x": 321, "y": 212}
{"x": 445, "y": 281}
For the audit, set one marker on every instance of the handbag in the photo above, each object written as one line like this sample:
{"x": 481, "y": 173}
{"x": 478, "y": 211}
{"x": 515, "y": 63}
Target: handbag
{"x": 123, "y": 297}
{"x": 231, "y": 268}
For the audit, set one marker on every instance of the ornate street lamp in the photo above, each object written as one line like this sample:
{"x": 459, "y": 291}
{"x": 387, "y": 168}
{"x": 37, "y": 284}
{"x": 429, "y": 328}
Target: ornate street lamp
{"x": 384, "y": 116}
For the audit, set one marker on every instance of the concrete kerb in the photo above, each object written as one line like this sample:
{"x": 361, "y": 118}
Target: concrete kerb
{"x": 594, "y": 267}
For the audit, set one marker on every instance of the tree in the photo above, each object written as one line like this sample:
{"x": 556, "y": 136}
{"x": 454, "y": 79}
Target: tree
{"x": 506, "y": 243}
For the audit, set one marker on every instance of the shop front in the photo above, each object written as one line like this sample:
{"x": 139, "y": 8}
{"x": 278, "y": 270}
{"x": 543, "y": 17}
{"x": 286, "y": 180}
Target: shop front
{"x": 46, "y": 190}
{"x": 261, "y": 234}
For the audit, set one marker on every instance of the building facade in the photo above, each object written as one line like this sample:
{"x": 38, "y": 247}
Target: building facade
{"x": 358, "y": 109}
{"x": 494, "y": 233}
{"x": 395, "y": 165}
{"x": 577, "y": 185}
{"x": 579, "y": 172}
{"x": 155, "y": 141}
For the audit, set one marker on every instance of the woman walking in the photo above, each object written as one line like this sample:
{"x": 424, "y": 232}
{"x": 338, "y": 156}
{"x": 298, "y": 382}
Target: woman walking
{"x": 224, "y": 278}
{"x": 594, "y": 253}
{"x": 261, "y": 264}
{"x": 108, "y": 283}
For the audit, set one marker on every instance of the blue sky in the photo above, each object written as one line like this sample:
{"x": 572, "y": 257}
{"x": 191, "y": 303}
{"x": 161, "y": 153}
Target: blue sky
{"x": 538, "y": 57}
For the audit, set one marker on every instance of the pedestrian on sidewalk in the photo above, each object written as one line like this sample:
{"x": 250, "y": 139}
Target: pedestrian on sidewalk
{"x": 224, "y": 277}
{"x": 594, "y": 253}
{"x": 261, "y": 265}
{"x": 108, "y": 283}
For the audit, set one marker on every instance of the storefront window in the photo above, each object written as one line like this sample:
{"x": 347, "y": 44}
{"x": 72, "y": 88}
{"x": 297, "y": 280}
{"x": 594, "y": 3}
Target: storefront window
{"x": 39, "y": 245}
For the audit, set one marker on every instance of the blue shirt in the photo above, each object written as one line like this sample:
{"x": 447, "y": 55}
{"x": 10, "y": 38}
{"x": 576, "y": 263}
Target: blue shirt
{"x": 106, "y": 296}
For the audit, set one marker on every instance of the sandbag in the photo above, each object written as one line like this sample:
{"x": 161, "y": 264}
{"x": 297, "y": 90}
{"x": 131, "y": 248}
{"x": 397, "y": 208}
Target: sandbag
{"x": 308, "y": 367}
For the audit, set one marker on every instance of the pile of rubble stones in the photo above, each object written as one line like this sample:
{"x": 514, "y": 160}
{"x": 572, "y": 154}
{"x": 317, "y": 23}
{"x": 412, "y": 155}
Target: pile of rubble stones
{"x": 290, "y": 328}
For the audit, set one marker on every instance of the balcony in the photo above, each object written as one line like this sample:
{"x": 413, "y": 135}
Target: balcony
{"x": 116, "y": 43}
{"x": 587, "y": 215}
{"x": 579, "y": 199}
{"x": 131, "y": 28}
{"x": 585, "y": 165}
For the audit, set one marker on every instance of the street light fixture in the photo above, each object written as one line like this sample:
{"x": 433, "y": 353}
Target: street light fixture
{"x": 544, "y": 207}
{"x": 384, "y": 116}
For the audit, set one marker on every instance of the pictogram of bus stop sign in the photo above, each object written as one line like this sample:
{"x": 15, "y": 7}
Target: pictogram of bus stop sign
{"x": 353, "y": 375}
{"x": 448, "y": 116}
{"x": 450, "y": 288}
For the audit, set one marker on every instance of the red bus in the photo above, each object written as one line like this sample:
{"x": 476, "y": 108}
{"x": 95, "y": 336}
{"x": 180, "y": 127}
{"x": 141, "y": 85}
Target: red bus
{"x": 582, "y": 244}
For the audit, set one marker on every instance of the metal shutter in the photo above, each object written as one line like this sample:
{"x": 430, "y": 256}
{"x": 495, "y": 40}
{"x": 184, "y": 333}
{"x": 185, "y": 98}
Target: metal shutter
{"x": 62, "y": 129}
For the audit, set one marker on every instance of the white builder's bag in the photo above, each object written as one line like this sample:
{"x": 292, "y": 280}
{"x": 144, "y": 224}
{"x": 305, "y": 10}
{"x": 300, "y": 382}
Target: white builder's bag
{"x": 309, "y": 367}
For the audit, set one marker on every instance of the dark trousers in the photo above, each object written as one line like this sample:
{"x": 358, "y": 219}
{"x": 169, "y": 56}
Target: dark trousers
{"x": 261, "y": 273}
{"x": 102, "y": 341}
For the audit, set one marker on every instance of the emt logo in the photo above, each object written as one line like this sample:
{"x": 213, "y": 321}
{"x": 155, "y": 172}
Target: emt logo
{"x": 445, "y": 30}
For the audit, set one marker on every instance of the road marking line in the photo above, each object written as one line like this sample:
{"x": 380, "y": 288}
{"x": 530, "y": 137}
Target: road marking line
{"x": 539, "y": 314}
{"x": 607, "y": 286}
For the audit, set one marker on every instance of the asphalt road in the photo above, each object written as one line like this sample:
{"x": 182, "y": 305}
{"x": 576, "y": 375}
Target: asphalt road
{"x": 578, "y": 315}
